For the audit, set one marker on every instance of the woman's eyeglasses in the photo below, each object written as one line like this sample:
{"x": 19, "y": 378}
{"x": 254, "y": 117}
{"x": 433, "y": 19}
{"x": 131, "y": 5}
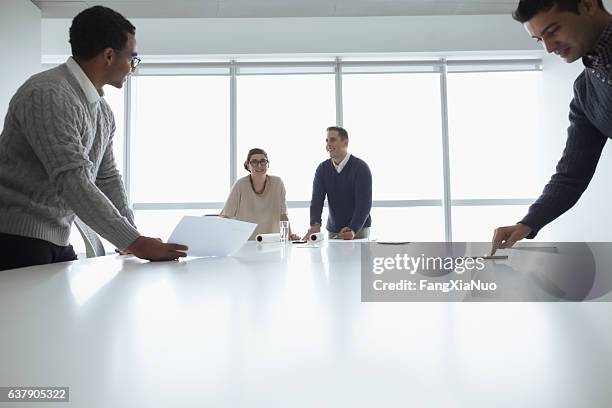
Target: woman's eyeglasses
{"x": 262, "y": 162}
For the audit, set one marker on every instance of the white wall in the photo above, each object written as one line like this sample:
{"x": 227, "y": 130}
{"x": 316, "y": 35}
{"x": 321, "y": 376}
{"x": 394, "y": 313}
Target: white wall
{"x": 20, "y": 31}
{"x": 227, "y": 36}
{"x": 589, "y": 220}
{"x": 312, "y": 35}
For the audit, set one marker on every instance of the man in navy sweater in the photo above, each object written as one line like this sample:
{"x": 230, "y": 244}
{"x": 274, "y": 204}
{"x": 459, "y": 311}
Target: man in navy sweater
{"x": 347, "y": 182}
{"x": 572, "y": 29}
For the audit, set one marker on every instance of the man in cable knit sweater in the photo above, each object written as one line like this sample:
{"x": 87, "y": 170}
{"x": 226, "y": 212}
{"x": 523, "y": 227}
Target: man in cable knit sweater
{"x": 572, "y": 29}
{"x": 56, "y": 156}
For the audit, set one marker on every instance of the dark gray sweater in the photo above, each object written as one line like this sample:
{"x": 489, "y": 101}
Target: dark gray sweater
{"x": 590, "y": 127}
{"x": 349, "y": 195}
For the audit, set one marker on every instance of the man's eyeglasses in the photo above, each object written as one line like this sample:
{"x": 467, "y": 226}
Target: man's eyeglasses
{"x": 262, "y": 162}
{"x": 134, "y": 59}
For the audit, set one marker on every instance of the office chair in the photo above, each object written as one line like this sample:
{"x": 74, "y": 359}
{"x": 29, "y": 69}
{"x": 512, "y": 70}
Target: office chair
{"x": 93, "y": 245}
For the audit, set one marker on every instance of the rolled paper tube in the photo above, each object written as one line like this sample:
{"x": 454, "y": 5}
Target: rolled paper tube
{"x": 317, "y": 236}
{"x": 268, "y": 238}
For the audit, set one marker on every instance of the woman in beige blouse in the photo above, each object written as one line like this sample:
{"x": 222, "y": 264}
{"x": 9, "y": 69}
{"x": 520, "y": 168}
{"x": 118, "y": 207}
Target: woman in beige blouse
{"x": 258, "y": 198}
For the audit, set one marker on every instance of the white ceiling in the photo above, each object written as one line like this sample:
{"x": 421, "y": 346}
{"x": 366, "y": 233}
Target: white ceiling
{"x": 277, "y": 8}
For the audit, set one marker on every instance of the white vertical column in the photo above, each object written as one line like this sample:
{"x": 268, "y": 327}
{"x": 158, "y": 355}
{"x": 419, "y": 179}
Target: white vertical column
{"x": 338, "y": 89}
{"x": 233, "y": 123}
{"x": 127, "y": 137}
{"x": 446, "y": 198}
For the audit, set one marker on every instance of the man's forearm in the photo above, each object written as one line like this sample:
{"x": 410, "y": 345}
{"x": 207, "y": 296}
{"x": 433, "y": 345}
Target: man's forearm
{"x": 114, "y": 189}
{"x": 556, "y": 199}
{"x": 95, "y": 209}
{"x": 359, "y": 218}
{"x": 315, "y": 220}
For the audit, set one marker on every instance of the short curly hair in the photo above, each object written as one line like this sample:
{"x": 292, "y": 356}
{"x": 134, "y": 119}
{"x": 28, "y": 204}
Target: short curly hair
{"x": 97, "y": 28}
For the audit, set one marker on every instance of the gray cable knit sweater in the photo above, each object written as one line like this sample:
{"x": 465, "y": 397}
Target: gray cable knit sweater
{"x": 56, "y": 160}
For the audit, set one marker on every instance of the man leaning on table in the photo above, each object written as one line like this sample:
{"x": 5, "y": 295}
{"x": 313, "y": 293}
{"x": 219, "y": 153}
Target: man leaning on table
{"x": 56, "y": 155}
{"x": 347, "y": 182}
{"x": 572, "y": 29}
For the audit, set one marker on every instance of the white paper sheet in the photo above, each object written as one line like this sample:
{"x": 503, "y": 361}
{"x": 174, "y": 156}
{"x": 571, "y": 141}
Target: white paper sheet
{"x": 211, "y": 236}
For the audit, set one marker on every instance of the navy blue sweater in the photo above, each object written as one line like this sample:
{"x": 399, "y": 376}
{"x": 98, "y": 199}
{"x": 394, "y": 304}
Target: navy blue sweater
{"x": 349, "y": 195}
{"x": 590, "y": 127}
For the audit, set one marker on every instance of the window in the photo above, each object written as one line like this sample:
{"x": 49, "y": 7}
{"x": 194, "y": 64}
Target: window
{"x": 180, "y": 144}
{"x": 494, "y": 115}
{"x": 286, "y": 115}
{"x": 183, "y": 145}
{"x": 299, "y": 219}
{"x": 161, "y": 223}
{"x": 394, "y": 124}
{"x": 414, "y": 224}
{"x": 477, "y": 223}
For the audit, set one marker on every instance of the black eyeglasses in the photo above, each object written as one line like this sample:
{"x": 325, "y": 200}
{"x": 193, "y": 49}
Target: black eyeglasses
{"x": 134, "y": 59}
{"x": 262, "y": 162}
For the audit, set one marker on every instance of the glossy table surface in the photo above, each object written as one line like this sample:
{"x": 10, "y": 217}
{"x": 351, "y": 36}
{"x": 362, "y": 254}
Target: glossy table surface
{"x": 283, "y": 326}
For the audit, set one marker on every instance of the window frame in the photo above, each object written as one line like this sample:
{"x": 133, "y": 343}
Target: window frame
{"x": 333, "y": 65}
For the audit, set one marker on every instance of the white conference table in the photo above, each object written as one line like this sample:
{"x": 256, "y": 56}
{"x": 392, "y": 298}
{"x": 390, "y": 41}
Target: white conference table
{"x": 284, "y": 326}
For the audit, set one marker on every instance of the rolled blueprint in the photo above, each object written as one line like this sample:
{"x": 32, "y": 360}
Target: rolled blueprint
{"x": 317, "y": 236}
{"x": 268, "y": 238}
